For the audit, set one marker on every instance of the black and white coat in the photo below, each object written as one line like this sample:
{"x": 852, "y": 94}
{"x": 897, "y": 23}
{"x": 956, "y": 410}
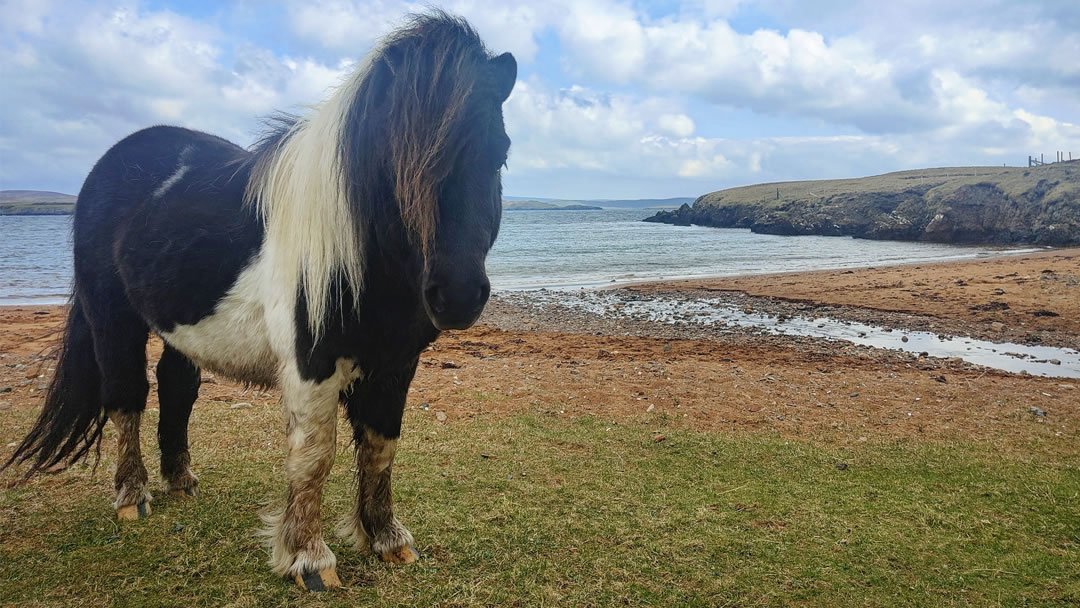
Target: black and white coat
{"x": 322, "y": 262}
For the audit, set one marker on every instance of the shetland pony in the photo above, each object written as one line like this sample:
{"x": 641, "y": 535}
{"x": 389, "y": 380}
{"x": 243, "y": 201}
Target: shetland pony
{"x": 323, "y": 262}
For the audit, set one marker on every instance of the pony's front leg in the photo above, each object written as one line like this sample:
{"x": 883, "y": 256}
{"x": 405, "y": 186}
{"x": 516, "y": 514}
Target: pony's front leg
{"x": 375, "y": 407}
{"x": 295, "y": 534}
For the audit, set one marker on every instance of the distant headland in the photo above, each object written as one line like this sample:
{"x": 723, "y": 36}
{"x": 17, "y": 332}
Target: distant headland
{"x": 35, "y": 202}
{"x": 973, "y": 205}
{"x": 542, "y": 206}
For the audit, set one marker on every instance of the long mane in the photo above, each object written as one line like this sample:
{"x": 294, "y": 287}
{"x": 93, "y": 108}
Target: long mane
{"x": 402, "y": 115}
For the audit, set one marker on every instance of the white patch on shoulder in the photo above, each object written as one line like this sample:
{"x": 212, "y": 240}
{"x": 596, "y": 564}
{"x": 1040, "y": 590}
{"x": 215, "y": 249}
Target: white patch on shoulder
{"x": 250, "y": 332}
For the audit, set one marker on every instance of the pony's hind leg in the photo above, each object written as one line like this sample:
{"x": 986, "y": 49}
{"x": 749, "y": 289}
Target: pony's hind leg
{"x": 120, "y": 350}
{"x": 297, "y": 548}
{"x": 132, "y": 498}
{"x": 375, "y": 407}
{"x": 178, "y": 388}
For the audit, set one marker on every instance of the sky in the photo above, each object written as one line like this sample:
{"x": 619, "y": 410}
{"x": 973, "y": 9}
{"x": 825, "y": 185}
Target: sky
{"x": 614, "y": 99}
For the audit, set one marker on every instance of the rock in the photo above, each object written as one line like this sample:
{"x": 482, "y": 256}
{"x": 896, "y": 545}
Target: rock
{"x": 5, "y": 389}
{"x": 1037, "y": 411}
{"x": 450, "y": 365}
{"x": 1044, "y": 313}
{"x": 239, "y": 406}
{"x": 841, "y": 466}
{"x": 990, "y": 307}
{"x": 903, "y": 339}
{"x": 425, "y": 405}
{"x": 1055, "y": 362}
{"x": 1014, "y": 206}
{"x": 657, "y": 438}
{"x": 650, "y": 408}
{"x": 1067, "y": 387}
{"x": 5, "y": 405}
{"x": 440, "y": 416}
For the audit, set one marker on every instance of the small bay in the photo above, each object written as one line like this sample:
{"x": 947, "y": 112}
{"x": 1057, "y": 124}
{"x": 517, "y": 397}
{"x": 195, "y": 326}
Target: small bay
{"x": 554, "y": 249}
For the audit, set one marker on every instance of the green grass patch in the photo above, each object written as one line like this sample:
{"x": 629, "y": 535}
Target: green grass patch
{"x": 531, "y": 512}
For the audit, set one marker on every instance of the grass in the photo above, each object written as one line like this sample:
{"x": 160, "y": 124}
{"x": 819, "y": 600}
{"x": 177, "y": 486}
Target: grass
{"x": 1015, "y": 182}
{"x": 532, "y": 511}
{"x": 34, "y": 202}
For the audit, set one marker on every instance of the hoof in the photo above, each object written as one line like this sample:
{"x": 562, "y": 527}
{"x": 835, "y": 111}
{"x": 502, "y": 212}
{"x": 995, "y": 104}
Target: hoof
{"x": 183, "y": 492}
{"x": 401, "y": 555}
{"x": 133, "y": 512}
{"x": 324, "y": 580}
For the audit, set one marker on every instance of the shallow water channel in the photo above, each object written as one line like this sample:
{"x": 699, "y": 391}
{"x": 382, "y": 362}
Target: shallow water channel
{"x": 663, "y": 308}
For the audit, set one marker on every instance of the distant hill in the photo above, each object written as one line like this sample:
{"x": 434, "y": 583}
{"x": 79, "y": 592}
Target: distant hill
{"x": 542, "y": 206}
{"x": 637, "y": 203}
{"x": 987, "y": 205}
{"x": 35, "y": 202}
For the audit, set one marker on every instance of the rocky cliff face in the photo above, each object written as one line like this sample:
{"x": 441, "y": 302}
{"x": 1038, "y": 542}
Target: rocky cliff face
{"x": 1012, "y": 206}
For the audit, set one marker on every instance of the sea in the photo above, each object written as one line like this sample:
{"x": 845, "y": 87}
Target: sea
{"x": 540, "y": 249}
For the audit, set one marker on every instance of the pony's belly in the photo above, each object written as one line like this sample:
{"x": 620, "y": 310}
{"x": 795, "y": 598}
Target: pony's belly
{"x": 235, "y": 340}
{"x": 233, "y": 345}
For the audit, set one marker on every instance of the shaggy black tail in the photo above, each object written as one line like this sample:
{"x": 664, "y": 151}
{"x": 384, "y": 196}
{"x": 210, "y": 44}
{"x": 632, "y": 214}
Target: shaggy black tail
{"x": 71, "y": 422}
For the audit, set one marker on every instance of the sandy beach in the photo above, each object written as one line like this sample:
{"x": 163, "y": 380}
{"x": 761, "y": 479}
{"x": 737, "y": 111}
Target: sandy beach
{"x": 550, "y": 361}
{"x": 586, "y": 447}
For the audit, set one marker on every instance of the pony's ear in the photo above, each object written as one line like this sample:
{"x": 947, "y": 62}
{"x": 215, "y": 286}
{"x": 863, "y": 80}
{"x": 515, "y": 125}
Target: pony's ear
{"x": 505, "y": 68}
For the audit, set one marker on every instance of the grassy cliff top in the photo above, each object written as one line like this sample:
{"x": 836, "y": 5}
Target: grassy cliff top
{"x": 34, "y": 202}
{"x": 1013, "y": 181}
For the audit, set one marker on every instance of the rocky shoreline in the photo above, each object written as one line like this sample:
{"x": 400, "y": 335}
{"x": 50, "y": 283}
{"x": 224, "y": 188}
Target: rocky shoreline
{"x": 1000, "y": 206}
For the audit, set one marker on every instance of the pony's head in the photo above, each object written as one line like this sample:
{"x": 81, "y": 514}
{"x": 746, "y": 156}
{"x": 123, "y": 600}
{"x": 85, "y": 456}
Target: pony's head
{"x": 402, "y": 163}
{"x": 442, "y": 93}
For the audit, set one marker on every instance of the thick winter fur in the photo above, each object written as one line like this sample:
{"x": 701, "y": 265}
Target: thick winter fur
{"x": 372, "y": 525}
{"x": 323, "y": 262}
{"x": 130, "y": 479}
{"x": 178, "y": 388}
{"x": 295, "y": 534}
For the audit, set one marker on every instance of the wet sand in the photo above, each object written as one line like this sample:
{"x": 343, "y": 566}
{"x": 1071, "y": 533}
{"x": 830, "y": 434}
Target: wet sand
{"x": 554, "y": 363}
{"x": 1004, "y": 298}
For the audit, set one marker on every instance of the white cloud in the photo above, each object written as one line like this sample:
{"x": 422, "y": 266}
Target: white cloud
{"x": 879, "y": 86}
{"x": 679, "y": 125}
{"x": 609, "y": 134}
{"x": 96, "y": 74}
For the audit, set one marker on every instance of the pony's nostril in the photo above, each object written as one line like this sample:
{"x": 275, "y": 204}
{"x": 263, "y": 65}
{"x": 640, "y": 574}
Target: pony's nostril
{"x": 435, "y": 299}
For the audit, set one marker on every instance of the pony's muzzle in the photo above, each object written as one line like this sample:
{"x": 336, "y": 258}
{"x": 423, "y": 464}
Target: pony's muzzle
{"x": 451, "y": 306}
